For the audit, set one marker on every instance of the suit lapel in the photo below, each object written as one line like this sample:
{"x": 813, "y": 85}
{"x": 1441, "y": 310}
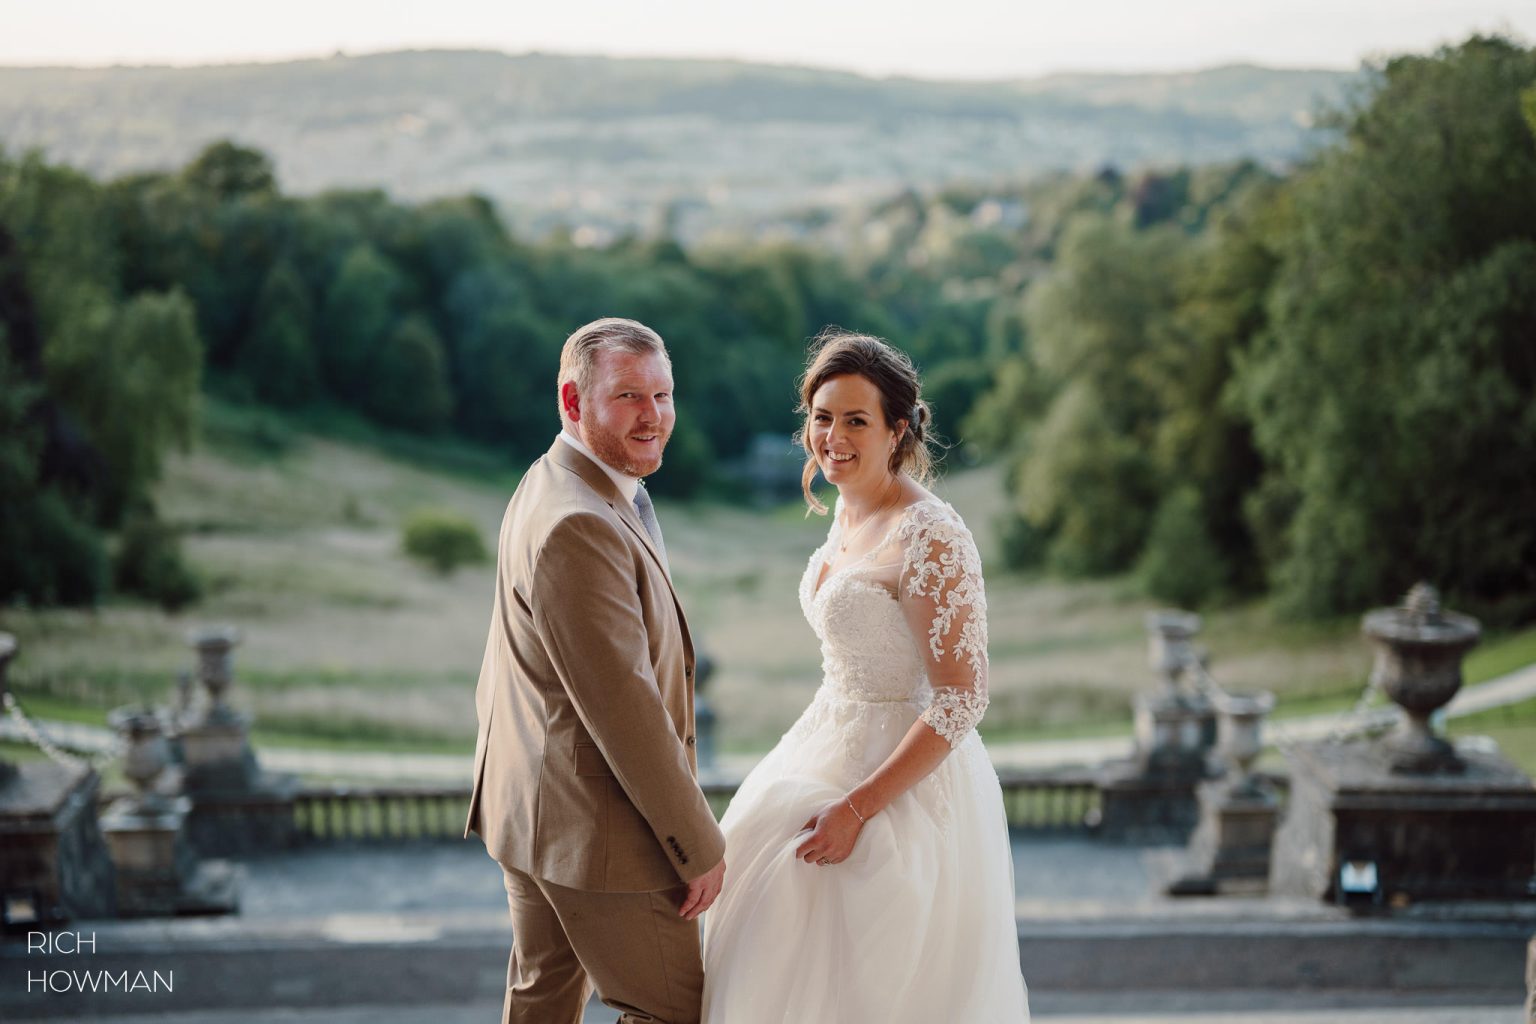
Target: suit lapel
{"x": 562, "y": 454}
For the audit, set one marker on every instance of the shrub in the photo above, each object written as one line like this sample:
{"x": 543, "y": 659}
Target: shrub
{"x": 442, "y": 540}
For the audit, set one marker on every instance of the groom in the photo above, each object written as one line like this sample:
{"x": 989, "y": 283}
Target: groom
{"x": 584, "y": 779}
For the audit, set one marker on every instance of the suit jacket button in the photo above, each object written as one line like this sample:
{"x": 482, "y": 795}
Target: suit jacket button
{"x": 689, "y": 741}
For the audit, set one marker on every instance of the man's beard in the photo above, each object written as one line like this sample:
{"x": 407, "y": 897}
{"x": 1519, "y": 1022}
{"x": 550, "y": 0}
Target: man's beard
{"x": 609, "y": 447}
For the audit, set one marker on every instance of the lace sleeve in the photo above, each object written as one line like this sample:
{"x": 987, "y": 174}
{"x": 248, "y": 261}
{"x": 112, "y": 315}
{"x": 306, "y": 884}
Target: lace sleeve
{"x": 945, "y": 603}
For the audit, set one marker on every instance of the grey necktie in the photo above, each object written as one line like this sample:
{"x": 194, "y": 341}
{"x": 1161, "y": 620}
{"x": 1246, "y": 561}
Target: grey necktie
{"x": 647, "y": 513}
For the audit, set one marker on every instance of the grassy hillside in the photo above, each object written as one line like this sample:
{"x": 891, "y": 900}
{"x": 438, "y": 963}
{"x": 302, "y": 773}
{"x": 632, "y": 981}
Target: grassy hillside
{"x": 348, "y": 642}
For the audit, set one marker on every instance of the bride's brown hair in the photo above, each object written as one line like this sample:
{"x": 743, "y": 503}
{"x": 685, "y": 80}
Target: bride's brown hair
{"x": 836, "y": 352}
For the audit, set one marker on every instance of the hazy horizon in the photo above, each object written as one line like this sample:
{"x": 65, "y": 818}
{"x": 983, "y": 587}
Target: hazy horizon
{"x": 974, "y": 40}
{"x": 300, "y": 58}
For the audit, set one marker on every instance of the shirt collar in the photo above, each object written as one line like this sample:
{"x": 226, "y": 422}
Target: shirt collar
{"x": 627, "y": 485}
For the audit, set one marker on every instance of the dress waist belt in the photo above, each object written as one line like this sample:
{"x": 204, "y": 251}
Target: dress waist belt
{"x": 848, "y": 698}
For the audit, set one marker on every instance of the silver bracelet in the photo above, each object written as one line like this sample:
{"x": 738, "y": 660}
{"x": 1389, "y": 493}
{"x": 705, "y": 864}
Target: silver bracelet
{"x": 849, "y": 801}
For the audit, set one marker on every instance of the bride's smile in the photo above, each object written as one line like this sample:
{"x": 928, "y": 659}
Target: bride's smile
{"x": 850, "y": 437}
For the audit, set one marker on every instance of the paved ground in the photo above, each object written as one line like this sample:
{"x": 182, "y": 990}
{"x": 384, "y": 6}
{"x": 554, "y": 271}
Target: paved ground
{"x": 440, "y": 909}
{"x": 1142, "y": 1008}
{"x": 1056, "y": 878}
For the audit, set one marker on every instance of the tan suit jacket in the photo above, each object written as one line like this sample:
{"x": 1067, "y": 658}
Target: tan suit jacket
{"x": 585, "y": 772}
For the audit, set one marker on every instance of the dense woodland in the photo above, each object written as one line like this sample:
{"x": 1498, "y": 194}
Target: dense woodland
{"x": 1321, "y": 385}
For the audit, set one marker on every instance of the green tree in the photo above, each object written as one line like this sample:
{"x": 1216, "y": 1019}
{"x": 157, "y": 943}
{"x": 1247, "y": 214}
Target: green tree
{"x": 686, "y": 467}
{"x": 129, "y": 376}
{"x": 149, "y": 562}
{"x": 1088, "y": 484}
{"x": 1393, "y": 390}
{"x": 360, "y": 308}
{"x": 1180, "y": 563}
{"x": 507, "y": 362}
{"x": 1100, "y": 347}
{"x": 226, "y": 170}
{"x": 278, "y": 357}
{"x": 408, "y": 379}
{"x": 1201, "y": 441}
{"x": 48, "y": 553}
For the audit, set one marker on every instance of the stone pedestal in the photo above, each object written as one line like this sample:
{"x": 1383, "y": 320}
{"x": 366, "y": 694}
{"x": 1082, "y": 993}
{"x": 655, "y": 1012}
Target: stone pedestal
{"x": 1229, "y": 853}
{"x": 1151, "y": 798}
{"x": 1138, "y": 808}
{"x": 53, "y": 864}
{"x": 233, "y": 823}
{"x": 237, "y": 809}
{"x": 157, "y": 873}
{"x": 1465, "y": 835}
{"x": 216, "y": 755}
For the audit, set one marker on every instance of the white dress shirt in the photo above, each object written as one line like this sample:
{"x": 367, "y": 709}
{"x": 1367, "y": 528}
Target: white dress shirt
{"x": 627, "y": 485}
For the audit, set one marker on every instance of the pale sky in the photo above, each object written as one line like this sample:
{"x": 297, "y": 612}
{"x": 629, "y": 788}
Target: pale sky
{"x": 944, "y": 39}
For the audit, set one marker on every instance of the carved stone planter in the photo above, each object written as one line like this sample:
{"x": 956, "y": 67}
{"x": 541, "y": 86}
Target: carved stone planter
{"x": 1409, "y": 817}
{"x": 1419, "y": 649}
{"x": 1240, "y": 735}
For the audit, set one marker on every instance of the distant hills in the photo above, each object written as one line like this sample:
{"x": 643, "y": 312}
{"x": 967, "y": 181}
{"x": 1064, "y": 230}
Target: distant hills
{"x": 610, "y": 144}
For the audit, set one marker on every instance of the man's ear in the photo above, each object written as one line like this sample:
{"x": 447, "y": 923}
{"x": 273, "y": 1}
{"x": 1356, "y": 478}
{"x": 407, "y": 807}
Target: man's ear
{"x": 570, "y": 401}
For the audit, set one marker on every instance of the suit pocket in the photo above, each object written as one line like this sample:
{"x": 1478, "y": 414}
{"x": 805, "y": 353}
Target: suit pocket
{"x": 590, "y": 760}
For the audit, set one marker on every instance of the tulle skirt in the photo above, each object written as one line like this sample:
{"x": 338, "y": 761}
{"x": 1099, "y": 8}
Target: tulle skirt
{"x": 916, "y": 925}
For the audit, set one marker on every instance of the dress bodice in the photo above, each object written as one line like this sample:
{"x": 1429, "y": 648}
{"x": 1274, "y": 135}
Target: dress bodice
{"x": 867, "y": 651}
{"x": 925, "y": 571}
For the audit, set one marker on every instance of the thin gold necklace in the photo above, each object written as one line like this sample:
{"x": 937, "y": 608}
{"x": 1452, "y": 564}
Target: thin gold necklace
{"x": 843, "y": 544}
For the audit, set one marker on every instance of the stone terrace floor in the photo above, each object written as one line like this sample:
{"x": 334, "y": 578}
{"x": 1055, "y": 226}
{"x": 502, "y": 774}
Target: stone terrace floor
{"x": 400, "y": 893}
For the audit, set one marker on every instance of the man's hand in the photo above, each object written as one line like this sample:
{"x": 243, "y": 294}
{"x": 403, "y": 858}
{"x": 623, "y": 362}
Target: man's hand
{"x": 702, "y": 891}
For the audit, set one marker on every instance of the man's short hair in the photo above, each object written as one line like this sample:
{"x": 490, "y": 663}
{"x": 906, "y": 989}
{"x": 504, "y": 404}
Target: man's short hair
{"x": 578, "y": 359}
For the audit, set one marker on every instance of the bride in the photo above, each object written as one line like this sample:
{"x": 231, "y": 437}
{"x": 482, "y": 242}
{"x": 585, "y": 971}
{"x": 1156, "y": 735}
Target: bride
{"x": 872, "y": 878}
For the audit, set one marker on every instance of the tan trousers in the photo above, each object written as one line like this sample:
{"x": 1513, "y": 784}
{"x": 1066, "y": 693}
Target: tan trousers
{"x": 642, "y": 959}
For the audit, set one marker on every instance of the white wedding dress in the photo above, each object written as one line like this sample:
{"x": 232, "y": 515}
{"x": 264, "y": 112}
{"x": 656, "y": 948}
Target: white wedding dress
{"x": 917, "y": 925}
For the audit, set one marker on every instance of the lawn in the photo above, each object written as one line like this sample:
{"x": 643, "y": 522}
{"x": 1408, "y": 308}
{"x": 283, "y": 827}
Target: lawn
{"x": 349, "y": 643}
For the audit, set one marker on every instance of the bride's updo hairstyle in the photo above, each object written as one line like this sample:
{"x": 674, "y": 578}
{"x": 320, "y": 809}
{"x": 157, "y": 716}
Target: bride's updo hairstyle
{"x": 836, "y": 352}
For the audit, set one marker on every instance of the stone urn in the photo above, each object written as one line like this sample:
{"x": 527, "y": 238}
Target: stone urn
{"x": 146, "y": 756}
{"x": 7, "y": 652}
{"x": 1419, "y": 648}
{"x": 1240, "y": 735}
{"x": 1170, "y": 649}
{"x": 215, "y": 668}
